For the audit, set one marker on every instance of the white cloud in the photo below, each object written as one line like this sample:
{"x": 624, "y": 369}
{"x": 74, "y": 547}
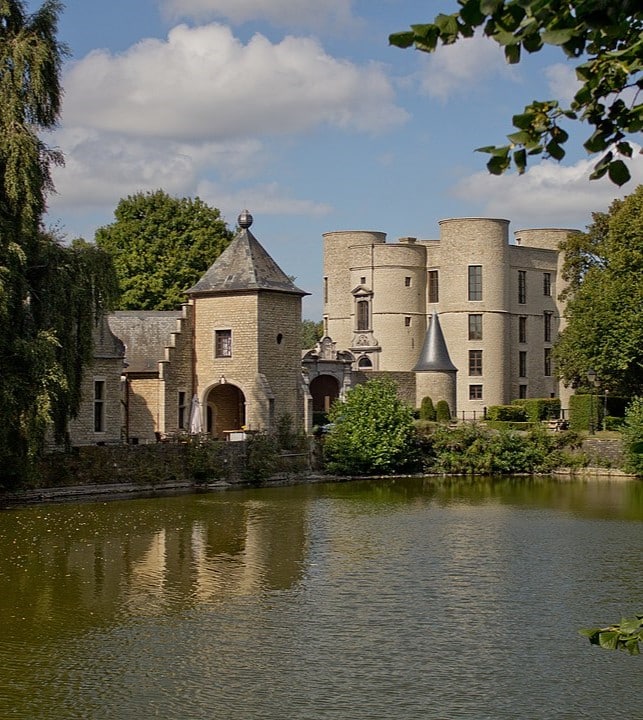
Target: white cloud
{"x": 100, "y": 168}
{"x": 455, "y": 69}
{"x": 203, "y": 84}
{"x": 264, "y": 199}
{"x": 562, "y": 81}
{"x": 281, "y": 13}
{"x": 548, "y": 194}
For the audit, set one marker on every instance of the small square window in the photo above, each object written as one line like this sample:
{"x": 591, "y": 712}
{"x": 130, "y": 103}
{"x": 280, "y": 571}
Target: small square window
{"x": 475, "y": 392}
{"x": 362, "y": 281}
{"x": 407, "y": 281}
{"x": 223, "y": 343}
{"x": 407, "y": 321}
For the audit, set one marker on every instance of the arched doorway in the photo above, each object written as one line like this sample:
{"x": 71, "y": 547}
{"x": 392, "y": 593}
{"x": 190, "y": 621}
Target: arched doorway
{"x": 225, "y": 409}
{"x": 324, "y": 389}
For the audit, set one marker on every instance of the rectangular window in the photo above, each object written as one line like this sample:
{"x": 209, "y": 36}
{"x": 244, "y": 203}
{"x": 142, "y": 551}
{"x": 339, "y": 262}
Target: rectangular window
{"x": 407, "y": 281}
{"x": 522, "y": 329}
{"x": 180, "y": 422}
{"x": 547, "y": 284}
{"x": 362, "y": 280}
{"x": 522, "y": 391}
{"x": 434, "y": 288}
{"x": 547, "y": 326}
{"x": 407, "y": 322}
{"x": 223, "y": 343}
{"x": 475, "y": 327}
{"x": 325, "y": 289}
{"x": 475, "y": 282}
{"x": 475, "y": 362}
{"x": 522, "y": 286}
{"x": 362, "y": 315}
{"x": 522, "y": 363}
{"x": 99, "y": 406}
{"x": 475, "y": 392}
{"x": 547, "y": 367}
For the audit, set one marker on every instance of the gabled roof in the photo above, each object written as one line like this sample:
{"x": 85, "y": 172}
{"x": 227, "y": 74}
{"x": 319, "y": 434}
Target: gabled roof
{"x": 434, "y": 356}
{"x": 244, "y": 265}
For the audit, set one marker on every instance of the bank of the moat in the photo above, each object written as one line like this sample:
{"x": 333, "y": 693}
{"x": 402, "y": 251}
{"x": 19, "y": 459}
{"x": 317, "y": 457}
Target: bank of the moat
{"x": 95, "y": 472}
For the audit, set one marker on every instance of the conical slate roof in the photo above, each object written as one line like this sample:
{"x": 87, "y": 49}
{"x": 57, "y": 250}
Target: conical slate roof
{"x": 434, "y": 356}
{"x": 244, "y": 265}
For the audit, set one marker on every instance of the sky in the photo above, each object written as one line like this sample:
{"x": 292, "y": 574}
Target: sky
{"x": 301, "y": 112}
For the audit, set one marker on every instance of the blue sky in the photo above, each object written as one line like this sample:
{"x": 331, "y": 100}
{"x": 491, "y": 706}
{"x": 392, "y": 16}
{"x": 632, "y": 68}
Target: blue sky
{"x": 300, "y": 111}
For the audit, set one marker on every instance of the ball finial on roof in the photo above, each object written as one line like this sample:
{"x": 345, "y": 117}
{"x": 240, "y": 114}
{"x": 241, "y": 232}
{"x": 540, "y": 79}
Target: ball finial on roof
{"x": 245, "y": 220}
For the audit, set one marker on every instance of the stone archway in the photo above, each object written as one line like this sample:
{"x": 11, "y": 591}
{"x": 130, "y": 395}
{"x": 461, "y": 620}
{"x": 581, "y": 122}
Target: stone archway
{"x": 225, "y": 409}
{"x": 324, "y": 390}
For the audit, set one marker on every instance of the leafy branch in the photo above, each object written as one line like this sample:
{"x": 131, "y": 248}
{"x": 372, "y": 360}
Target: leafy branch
{"x": 609, "y": 36}
{"x": 624, "y": 636}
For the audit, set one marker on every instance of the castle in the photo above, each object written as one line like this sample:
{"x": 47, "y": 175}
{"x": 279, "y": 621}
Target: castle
{"x": 468, "y": 318}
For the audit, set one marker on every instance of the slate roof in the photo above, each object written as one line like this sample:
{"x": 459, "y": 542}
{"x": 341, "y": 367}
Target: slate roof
{"x": 434, "y": 356}
{"x": 146, "y": 334}
{"x": 244, "y": 265}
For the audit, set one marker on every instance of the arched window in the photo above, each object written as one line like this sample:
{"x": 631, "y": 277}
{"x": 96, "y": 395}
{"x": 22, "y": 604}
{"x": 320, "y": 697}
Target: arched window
{"x": 362, "y": 315}
{"x": 364, "y": 363}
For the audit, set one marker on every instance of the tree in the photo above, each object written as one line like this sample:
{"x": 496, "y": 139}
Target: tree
{"x": 604, "y": 38}
{"x": 49, "y": 294}
{"x": 632, "y": 432}
{"x": 604, "y": 269}
{"x": 311, "y": 332}
{"x": 161, "y": 246}
{"x": 372, "y": 431}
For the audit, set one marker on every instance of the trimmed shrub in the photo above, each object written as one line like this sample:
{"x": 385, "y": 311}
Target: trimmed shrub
{"x": 538, "y": 409}
{"x": 584, "y": 412}
{"x": 442, "y": 412}
{"x": 512, "y": 413}
{"x": 427, "y": 409}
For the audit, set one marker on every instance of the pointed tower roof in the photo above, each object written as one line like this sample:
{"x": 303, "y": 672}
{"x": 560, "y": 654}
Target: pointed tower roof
{"x": 244, "y": 265}
{"x": 434, "y": 356}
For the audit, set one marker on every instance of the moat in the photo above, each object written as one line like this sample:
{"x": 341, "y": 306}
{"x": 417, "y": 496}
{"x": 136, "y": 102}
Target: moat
{"x": 357, "y": 601}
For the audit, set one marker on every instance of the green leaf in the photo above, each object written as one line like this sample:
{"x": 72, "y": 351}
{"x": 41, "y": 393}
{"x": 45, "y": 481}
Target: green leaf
{"x": 596, "y": 143}
{"x": 512, "y": 53}
{"x": 489, "y": 7}
{"x": 555, "y": 150}
{"x": 524, "y": 121}
{"x": 557, "y": 37}
{"x": 520, "y": 160}
{"x": 608, "y": 639}
{"x": 618, "y": 172}
{"x": 630, "y": 625}
{"x": 497, "y": 165}
{"x": 522, "y": 137}
{"x": 402, "y": 39}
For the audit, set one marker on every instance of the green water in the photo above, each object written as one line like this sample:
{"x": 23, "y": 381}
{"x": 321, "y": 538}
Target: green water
{"x": 362, "y": 600}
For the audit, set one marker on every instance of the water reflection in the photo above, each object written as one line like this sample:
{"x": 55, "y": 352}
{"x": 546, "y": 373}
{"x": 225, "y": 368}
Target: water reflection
{"x": 406, "y": 599}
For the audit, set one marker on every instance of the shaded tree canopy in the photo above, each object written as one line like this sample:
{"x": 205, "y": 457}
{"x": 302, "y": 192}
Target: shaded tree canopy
{"x": 604, "y": 269}
{"x": 161, "y": 246}
{"x": 311, "y": 333}
{"x": 605, "y": 40}
{"x": 50, "y": 295}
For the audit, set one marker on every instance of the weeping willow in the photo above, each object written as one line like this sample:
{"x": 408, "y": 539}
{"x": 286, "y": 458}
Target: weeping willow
{"x": 50, "y": 295}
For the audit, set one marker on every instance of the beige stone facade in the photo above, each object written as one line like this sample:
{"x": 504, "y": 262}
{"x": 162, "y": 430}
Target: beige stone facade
{"x": 497, "y": 305}
{"x": 229, "y": 361}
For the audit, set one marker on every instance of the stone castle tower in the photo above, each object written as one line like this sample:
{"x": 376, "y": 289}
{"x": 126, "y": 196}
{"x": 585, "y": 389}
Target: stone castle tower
{"x": 497, "y": 302}
{"x": 246, "y": 316}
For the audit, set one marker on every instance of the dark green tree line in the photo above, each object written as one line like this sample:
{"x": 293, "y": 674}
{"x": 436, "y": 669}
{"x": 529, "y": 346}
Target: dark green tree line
{"x": 604, "y": 269}
{"x": 49, "y": 294}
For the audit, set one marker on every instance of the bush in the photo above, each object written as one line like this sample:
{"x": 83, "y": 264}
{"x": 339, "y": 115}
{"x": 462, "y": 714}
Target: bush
{"x": 632, "y": 431}
{"x": 538, "y": 409}
{"x": 511, "y": 413}
{"x": 427, "y": 409}
{"x": 582, "y": 412}
{"x": 442, "y": 412}
{"x": 372, "y": 431}
{"x": 613, "y": 423}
